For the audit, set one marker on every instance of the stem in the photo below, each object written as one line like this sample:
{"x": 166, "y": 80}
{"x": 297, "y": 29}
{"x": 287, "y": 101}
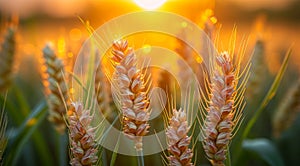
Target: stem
{"x": 140, "y": 157}
{"x": 114, "y": 155}
{"x": 228, "y": 157}
{"x": 104, "y": 157}
{"x": 62, "y": 148}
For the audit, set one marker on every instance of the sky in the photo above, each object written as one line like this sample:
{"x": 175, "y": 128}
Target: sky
{"x": 65, "y": 8}
{"x": 256, "y": 4}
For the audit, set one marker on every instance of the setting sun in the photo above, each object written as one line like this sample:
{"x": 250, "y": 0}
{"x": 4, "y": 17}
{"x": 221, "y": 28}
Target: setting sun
{"x": 149, "y": 4}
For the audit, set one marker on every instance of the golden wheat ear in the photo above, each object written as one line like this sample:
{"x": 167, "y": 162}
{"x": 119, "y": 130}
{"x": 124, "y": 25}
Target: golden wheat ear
{"x": 7, "y": 53}
{"x": 57, "y": 90}
{"x": 180, "y": 127}
{"x": 224, "y": 104}
{"x": 81, "y": 136}
{"x": 178, "y": 139}
{"x": 132, "y": 92}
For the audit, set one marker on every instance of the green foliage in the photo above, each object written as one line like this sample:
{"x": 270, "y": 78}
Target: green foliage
{"x": 269, "y": 96}
{"x": 263, "y": 149}
{"x": 20, "y": 136}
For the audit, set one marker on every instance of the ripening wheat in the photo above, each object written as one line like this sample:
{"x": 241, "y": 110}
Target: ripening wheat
{"x": 224, "y": 108}
{"x": 129, "y": 82}
{"x": 178, "y": 140}
{"x": 57, "y": 95}
{"x": 81, "y": 136}
{"x": 7, "y": 53}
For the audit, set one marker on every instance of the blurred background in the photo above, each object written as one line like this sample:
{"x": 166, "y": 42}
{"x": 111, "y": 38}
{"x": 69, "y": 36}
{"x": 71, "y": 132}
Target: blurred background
{"x": 41, "y": 21}
{"x": 272, "y": 26}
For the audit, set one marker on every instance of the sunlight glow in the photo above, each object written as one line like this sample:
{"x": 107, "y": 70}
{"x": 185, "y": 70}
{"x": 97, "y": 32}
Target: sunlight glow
{"x": 146, "y": 48}
{"x": 149, "y": 4}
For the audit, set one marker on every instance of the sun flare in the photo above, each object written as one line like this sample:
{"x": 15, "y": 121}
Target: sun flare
{"x": 149, "y": 4}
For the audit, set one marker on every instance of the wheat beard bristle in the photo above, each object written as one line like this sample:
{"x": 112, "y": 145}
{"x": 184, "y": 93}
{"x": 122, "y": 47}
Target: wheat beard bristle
{"x": 178, "y": 140}
{"x": 82, "y": 136}
{"x": 219, "y": 121}
{"x": 134, "y": 99}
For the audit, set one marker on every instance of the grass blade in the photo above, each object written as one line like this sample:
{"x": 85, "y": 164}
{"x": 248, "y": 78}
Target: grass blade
{"x": 24, "y": 133}
{"x": 61, "y": 147}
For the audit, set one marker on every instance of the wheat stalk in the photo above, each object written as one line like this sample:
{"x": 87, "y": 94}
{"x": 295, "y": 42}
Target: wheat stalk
{"x": 7, "y": 53}
{"x": 3, "y": 140}
{"x": 129, "y": 82}
{"x": 82, "y": 136}
{"x": 178, "y": 139}
{"x": 57, "y": 94}
{"x": 224, "y": 109}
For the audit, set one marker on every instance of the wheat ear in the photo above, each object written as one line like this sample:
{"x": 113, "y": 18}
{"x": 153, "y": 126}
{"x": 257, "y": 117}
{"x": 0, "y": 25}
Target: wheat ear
{"x": 287, "y": 111}
{"x": 101, "y": 87}
{"x": 256, "y": 81}
{"x": 178, "y": 139}
{"x": 57, "y": 94}
{"x": 130, "y": 85}
{"x": 7, "y": 53}
{"x": 81, "y": 136}
{"x": 224, "y": 110}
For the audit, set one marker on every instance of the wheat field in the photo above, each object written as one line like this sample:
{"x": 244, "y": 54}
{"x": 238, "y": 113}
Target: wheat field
{"x": 80, "y": 95}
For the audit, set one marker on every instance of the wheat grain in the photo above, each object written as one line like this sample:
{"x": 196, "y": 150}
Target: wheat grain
{"x": 81, "y": 135}
{"x": 133, "y": 94}
{"x": 178, "y": 139}
{"x": 222, "y": 114}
